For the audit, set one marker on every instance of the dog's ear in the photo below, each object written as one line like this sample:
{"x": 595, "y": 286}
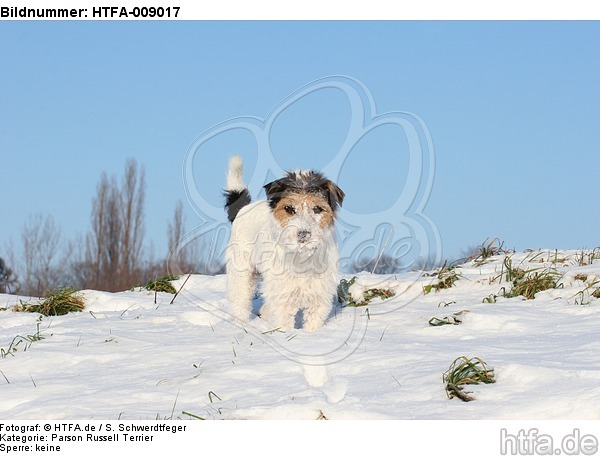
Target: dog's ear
{"x": 335, "y": 195}
{"x": 275, "y": 191}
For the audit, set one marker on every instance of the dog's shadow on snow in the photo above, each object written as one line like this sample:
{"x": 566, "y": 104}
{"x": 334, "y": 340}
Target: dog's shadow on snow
{"x": 257, "y": 303}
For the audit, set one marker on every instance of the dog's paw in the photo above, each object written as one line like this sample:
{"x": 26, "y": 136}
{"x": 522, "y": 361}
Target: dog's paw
{"x": 312, "y": 326}
{"x": 241, "y": 315}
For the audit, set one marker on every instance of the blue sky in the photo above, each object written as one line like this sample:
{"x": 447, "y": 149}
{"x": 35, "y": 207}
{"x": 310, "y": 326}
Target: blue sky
{"x": 512, "y": 108}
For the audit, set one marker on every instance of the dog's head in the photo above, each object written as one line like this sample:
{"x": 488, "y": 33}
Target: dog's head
{"x": 304, "y": 204}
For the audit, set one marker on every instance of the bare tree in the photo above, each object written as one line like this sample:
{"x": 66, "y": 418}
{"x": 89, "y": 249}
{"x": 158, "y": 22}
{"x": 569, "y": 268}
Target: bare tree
{"x": 175, "y": 230}
{"x": 8, "y": 280}
{"x": 132, "y": 217}
{"x": 183, "y": 253}
{"x": 177, "y": 256}
{"x": 76, "y": 271}
{"x": 100, "y": 253}
{"x": 40, "y": 239}
{"x": 114, "y": 244}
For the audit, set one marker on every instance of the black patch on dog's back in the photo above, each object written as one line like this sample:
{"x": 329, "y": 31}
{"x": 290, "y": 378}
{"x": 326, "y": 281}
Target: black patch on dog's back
{"x": 235, "y": 201}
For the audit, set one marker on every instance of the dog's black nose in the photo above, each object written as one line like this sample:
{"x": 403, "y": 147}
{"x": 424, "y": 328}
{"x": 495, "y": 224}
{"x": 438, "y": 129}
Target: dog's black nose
{"x": 303, "y": 236}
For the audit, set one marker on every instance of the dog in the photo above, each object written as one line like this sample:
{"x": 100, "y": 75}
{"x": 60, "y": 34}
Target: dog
{"x": 288, "y": 240}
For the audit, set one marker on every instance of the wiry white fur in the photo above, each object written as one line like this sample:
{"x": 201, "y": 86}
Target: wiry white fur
{"x": 235, "y": 179}
{"x": 294, "y": 275}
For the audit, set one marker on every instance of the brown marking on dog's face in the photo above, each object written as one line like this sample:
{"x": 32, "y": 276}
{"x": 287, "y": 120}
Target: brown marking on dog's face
{"x": 314, "y": 205}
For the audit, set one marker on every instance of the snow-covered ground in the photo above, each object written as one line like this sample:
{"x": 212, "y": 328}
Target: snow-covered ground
{"x": 127, "y": 357}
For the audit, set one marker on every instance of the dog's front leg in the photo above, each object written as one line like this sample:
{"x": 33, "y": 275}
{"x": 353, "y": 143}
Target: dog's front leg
{"x": 280, "y": 307}
{"x": 316, "y": 314}
{"x": 241, "y": 286}
{"x": 279, "y": 313}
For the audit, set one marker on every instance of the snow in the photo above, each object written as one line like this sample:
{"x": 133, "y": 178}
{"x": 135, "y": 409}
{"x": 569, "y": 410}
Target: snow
{"x": 127, "y": 357}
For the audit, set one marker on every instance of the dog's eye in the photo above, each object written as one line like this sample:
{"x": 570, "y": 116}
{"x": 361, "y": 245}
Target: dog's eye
{"x": 290, "y": 210}
{"x": 317, "y": 209}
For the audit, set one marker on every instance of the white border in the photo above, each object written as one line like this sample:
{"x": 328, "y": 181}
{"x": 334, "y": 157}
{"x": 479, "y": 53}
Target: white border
{"x": 345, "y": 10}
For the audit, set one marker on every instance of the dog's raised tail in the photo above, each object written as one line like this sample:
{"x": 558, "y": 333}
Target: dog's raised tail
{"x": 236, "y": 194}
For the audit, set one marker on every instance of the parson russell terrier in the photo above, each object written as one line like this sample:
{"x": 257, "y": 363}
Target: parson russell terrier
{"x": 288, "y": 240}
